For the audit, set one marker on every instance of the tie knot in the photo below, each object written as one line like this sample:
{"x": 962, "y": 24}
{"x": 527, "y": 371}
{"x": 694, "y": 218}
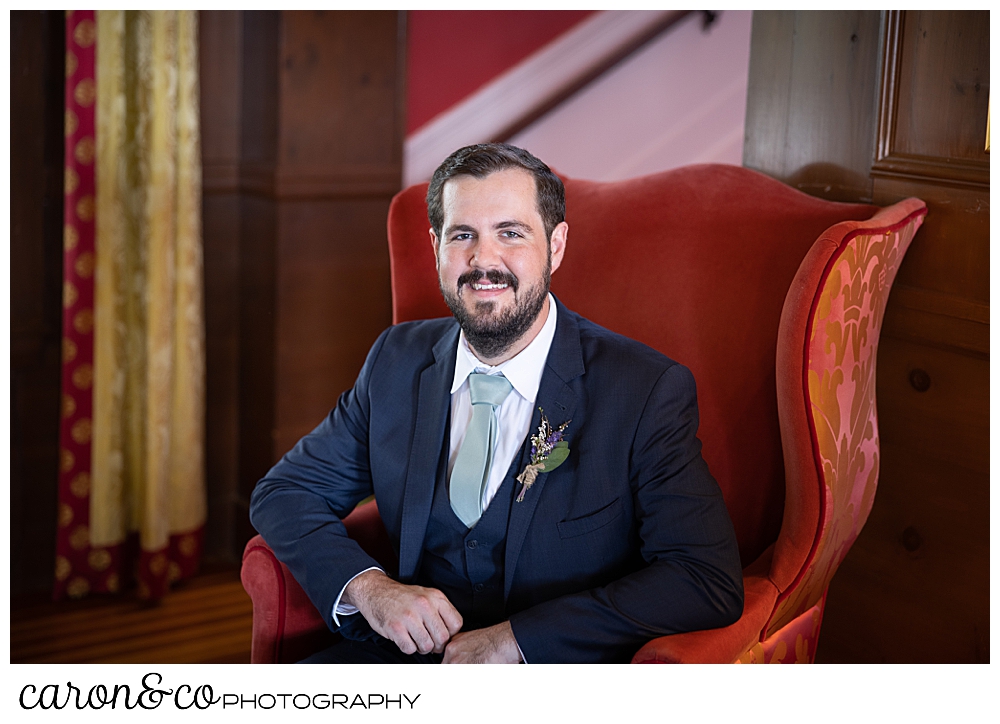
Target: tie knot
{"x": 488, "y": 389}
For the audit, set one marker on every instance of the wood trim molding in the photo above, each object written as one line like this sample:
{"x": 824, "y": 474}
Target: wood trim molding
{"x": 304, "y": 183}
{"x": 220, "y": 178}
{"x": 522, "y": 94}
{"x": 938, "y": 320}
{"x": 892, "y": 32}
{"x": 890, "y": 163}
{"x": 932, "y": 168}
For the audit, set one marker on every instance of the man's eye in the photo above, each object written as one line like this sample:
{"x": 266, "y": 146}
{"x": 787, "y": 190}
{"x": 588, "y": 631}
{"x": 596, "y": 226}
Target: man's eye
{"x": 461, "y": 237}
{"x": 508, "y": 234}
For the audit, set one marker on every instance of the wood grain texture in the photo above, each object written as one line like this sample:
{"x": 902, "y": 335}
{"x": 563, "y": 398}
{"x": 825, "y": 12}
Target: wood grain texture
{"x": 811, "y": 100}
{"x": 944, "y": 57}
{"x": 934, "y": 97}
{"x": 319, "y": 160}
{"x": 205, "y": 620}
{"x": 257, "y": 242}
{"x": 221, "y": 85}
{"x": 915, "y": 586}
{"x": 951, "y": 255}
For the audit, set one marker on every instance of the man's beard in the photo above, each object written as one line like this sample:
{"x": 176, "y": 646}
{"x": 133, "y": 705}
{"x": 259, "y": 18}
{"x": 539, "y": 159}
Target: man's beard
{"x": 488, "y": 333}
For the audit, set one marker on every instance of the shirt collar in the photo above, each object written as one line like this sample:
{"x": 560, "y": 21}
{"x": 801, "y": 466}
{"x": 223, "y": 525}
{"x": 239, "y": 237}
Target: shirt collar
{"x": 523, "y": 370}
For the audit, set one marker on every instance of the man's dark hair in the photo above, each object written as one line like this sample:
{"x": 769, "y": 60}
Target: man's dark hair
{"x": 483, "y": 159}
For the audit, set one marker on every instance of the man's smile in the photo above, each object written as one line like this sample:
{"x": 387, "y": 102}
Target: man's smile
{"x": 488, "y": 284}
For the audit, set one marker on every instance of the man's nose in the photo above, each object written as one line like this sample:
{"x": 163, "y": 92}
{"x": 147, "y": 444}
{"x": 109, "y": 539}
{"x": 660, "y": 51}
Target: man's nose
{"x": 486, "y": 255}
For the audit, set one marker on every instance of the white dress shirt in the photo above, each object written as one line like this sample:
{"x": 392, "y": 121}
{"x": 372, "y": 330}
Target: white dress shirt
{"x": 524, "y": 372}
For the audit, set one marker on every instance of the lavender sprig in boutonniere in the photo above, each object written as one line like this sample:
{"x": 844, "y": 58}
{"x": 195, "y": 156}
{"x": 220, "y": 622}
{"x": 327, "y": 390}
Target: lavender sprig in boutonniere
{"x": 548, "y": 451}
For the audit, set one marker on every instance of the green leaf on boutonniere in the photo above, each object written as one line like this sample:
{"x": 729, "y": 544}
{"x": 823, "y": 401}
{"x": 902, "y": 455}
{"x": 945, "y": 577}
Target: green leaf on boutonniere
{"x": 556, "y": 458}
{"x": 548, "y": 451}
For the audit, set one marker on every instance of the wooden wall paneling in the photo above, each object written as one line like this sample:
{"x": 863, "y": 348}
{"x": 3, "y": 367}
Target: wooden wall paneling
{"x": 932, "y": 130}
{"x": 340, "y": 163}
{"x": 921, "y": 564}
{"x": 915, "y": 586}
{"x": 941, "y": 83}
{"x": 334, "y": 300}
{"x": 257, "y": 256}
{"x": 221, "y": 75}
{"x": 320, "y": 159}
{"x": 951, "y": 255}
{"x": 339, "y": 96}
{"x": 811, "y": 100}
{"x": 36, "y": 249}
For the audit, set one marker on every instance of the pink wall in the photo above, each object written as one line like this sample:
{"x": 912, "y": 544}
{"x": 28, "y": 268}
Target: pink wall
{"x": 452, "y": 53}
{"x": 679, "y": 100}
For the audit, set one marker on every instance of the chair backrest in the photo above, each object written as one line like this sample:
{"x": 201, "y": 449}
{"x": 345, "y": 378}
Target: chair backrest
{"x": 826, "y": 361}
{"x": 695, "y": 262}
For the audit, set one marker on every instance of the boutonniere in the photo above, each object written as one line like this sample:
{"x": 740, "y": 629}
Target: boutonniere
{"x": 548, "y": 451}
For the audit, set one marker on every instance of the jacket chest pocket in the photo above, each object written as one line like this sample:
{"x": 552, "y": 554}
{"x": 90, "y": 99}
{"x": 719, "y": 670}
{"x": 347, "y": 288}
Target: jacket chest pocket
{"x": 591, "y": 522}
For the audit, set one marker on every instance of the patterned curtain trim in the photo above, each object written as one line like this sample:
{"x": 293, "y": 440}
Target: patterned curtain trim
{"x": 76, "y": 563}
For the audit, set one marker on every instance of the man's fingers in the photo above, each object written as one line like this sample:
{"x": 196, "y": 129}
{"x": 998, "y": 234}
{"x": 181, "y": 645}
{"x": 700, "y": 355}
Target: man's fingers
{"x": 404, "y": 643}
{"x": 423, "y": 640}
{"x": 411, "y": 636}
{"x": 425, "y": 627}
{"x": 435, "y": 617}
{"x": 451, "y": 618}
{"x": 415, "y": 618}
{"x": 437, "y": 632}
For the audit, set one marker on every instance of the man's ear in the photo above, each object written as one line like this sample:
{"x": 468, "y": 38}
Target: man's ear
{"x": 557, "y": 243}
{"x": 434, "y": 245}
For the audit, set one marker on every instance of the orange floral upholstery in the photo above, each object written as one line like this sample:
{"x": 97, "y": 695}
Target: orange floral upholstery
{"x": 774, "y": 299}
{"x": 854, "y": 265}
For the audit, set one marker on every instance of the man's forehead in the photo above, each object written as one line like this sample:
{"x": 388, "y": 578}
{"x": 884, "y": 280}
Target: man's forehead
{"x": 500, "y": 186}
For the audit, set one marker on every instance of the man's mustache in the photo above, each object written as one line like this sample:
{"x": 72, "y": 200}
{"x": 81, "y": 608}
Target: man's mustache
{"x": 493, "y": 276}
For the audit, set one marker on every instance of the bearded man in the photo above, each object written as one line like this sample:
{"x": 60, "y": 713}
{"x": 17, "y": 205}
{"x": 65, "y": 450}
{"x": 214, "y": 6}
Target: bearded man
{"x": 538, "y": 475}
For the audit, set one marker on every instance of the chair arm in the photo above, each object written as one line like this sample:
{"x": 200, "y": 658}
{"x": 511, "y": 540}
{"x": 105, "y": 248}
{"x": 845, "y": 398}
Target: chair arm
{"x": 284, "y": 619}
{"x": 286, "y": 625}
{"x": 720, "y": 645}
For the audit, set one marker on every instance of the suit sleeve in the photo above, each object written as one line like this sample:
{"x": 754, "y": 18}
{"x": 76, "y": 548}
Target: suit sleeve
{"x": 692, "y": 578}
{"x": 298, "y": 506}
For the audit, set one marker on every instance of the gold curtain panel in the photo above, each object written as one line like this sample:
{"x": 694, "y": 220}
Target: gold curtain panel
{"x": 149, "y": 385}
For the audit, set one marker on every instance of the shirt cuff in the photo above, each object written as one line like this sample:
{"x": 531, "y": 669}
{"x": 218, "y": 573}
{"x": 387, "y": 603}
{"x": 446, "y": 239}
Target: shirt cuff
{"x": 346, "y": 609}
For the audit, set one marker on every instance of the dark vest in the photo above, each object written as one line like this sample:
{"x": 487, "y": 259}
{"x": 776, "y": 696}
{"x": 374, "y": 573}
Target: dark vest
{"x": 467, "y": 564}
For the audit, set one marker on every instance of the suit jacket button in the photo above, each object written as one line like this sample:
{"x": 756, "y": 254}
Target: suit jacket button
{"x": 478, "y": 587}
{"x": 471, "y": 544}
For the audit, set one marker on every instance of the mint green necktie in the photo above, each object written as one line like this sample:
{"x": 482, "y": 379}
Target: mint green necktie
{"x": 475, "y": 456}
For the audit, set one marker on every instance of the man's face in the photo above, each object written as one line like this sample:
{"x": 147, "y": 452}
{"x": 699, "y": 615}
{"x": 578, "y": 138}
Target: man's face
{"x": 493, "y": 259}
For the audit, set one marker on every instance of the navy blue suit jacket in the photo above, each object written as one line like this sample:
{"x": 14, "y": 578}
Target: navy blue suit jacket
{"x": 627, "y": 540}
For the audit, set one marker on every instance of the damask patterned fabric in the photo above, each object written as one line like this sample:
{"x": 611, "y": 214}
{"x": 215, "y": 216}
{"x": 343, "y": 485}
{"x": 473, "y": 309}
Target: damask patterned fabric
{"x": 146, "y": 482}
{"x": 838, "y": 384}
{"x": 76, "y": 564}
{"x": 794, "y": 643}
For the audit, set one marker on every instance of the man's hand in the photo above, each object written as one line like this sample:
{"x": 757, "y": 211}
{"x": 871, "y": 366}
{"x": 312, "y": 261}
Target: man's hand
{"x": 415, "y": 618}
{"x": 493, "y": 645}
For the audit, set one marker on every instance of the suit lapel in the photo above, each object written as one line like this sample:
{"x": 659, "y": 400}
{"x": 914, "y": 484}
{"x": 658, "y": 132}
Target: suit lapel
{"x": 559, "y": 401}
{"x": 433, "y": 403}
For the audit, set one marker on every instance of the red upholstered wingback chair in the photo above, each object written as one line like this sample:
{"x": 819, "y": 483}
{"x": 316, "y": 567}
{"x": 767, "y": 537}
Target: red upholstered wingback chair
{"x": 774, "y": 300}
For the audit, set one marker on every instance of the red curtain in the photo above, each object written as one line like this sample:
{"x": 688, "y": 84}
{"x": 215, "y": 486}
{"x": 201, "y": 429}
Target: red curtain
{"x": 79, "y": 569}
